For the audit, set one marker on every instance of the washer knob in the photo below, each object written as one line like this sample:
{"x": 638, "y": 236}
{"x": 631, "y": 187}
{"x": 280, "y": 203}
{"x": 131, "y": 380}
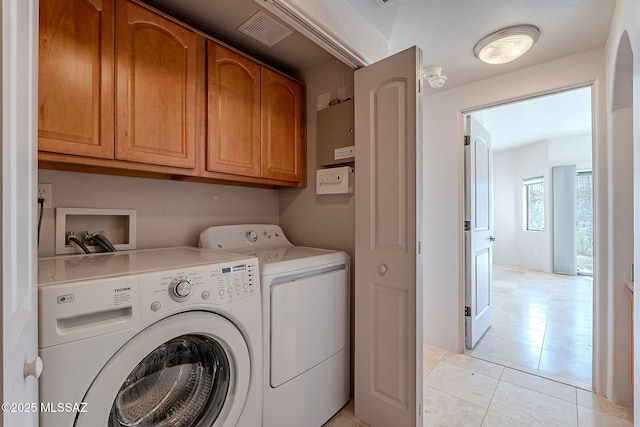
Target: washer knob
{"x": 181, "y": 287}
{"x": 251, "y": 236}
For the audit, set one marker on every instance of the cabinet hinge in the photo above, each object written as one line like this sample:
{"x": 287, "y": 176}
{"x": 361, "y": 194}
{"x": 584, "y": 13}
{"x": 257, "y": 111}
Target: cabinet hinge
{"x": 467, "y": 140}
{"x": 467, "y": 226}
{"x": 467, "y": 311}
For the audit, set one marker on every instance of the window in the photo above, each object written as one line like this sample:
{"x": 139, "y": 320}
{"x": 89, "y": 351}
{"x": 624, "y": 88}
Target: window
{"x": 584, "y": 222}
{"x": 534, "y": 203}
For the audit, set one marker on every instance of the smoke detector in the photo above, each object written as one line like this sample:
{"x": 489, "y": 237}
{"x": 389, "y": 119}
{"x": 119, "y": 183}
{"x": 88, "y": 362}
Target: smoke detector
{"x": 433, "y": 76}
{"x": 265, "y": 29}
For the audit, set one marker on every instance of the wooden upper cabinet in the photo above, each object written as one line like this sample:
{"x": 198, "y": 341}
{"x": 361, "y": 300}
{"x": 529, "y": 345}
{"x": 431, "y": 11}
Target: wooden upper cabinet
{"x": 282, "y": 128}
{"x": 156, "y": 88}
{"x": 75, "y": 77}
{"x": 233, "y": 134}
{"x": 124, "y": 87}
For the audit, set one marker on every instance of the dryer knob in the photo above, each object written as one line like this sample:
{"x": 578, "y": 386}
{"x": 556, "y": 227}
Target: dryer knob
{"x": 182, "y": 288}
{"x": 251, "y": 236}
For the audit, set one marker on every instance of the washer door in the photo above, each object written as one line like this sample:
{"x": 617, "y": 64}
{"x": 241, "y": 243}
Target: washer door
{"x": 190, "y": 369}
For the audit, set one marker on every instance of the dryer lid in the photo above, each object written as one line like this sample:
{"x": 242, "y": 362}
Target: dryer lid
{"x": 292, "y": 258}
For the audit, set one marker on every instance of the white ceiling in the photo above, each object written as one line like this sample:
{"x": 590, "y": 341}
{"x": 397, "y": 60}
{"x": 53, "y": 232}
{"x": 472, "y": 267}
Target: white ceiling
{"x": 543, "y": 118}
{"x": 446, "y": 30}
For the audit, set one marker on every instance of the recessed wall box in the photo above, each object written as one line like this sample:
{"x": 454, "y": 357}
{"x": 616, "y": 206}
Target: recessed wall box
{"x": 118, "y": 225}
{"x": 334, "y": 180}
{"x": 336, "y": 134}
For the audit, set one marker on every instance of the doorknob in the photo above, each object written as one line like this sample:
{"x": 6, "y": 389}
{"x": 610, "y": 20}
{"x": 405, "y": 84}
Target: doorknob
{"x": 33, "y": 369}
{"x": 382, "y": 269}
{"x": 491, "y": 238}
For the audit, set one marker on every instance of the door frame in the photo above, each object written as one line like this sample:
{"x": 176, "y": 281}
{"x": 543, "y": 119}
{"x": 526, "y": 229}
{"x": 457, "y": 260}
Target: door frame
{"x": 599, "y": 290}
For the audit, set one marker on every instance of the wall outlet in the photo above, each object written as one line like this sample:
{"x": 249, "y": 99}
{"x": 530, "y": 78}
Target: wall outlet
{"x": 44, "y": 192}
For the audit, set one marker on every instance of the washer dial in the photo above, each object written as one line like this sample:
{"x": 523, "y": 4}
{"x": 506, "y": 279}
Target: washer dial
{"x": 251, "y": 236}
{"x": 180, "y": 288}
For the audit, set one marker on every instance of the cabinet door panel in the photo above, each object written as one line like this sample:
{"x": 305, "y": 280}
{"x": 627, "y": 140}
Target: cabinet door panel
{"x": 233, "y": 140}
{"x": 156, "y": 88}
{"x": 75, "y": 89}
{"x": 282, "y": 130}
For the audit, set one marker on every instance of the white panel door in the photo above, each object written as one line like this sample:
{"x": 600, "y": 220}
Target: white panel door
{"x": 19, "y": 287}
{"x": 478, "y": 231}
{"x": 388, "y": 309}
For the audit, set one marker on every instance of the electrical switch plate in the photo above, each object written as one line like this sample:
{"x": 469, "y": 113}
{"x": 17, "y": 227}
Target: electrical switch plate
{"x": 44, "y": 192}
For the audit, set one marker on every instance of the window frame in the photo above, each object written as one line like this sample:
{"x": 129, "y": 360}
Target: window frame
{"x": 527, "y": 184}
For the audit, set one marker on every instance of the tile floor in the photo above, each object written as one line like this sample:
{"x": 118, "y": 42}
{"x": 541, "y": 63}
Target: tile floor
{"x": 542, "y": 328}
{"x": 542, "y": 324}
{"x": 460, "y": 390}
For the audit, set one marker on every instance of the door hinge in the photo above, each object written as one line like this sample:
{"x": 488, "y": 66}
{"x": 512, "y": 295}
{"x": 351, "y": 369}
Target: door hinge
{"x": 467, "y": 311}
{"x": 419, "y": 409}
{"x": 467, "y": 226}
{"x": 467, "y": 140}
{"x": 419, "y": 247}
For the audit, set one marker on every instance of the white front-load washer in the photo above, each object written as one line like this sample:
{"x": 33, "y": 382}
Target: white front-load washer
{"x": 160, "y": 337}
{"x": 305, "y": 308}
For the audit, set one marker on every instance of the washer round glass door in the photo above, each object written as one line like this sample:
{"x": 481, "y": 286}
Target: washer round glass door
{"x": 190, "y": 369}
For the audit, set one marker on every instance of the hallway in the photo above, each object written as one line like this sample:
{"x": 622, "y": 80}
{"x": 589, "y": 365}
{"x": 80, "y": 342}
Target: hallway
{"x": 460, "y": 390}
{"x": 542, "y": 324}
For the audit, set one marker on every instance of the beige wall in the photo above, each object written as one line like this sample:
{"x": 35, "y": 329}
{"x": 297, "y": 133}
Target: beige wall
{"x": 324, "y": 221}
{"x": 328, "y": 220}
{"x": 169, "y": 213}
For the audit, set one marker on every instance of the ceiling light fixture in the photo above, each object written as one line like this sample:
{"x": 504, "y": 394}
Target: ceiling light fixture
{"x": 507, "y": 44}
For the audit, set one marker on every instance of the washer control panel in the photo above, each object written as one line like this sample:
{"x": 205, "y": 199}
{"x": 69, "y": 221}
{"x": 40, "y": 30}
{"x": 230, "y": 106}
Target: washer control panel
{"x": 206, "y": 284}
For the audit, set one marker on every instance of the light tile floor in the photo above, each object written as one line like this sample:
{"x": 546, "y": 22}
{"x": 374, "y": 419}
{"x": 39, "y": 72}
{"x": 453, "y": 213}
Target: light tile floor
{"x": 460, "y": 390}
{"x": 542, "y": 324}
{"x": 542, "y": 327}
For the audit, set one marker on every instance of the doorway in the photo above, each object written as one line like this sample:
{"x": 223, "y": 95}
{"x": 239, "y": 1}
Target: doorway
{"x": 542, "y": 320}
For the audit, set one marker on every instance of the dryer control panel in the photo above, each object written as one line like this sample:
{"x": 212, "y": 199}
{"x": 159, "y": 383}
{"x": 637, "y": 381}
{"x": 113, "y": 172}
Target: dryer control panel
{"x": 244, "y": 238}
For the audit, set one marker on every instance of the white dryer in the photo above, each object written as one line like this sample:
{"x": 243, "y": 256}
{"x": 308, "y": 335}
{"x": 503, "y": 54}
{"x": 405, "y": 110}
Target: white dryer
{"x": 161, "y": 337}
{"x": 305, "y": 308}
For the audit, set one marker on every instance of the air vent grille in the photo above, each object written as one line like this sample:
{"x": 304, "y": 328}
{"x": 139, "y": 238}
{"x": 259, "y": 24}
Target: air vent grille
{"x": 265, "y": 29}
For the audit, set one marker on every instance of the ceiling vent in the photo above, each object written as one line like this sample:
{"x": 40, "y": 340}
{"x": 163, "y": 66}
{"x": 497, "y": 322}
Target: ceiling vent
{"x": 265, "y": 29}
